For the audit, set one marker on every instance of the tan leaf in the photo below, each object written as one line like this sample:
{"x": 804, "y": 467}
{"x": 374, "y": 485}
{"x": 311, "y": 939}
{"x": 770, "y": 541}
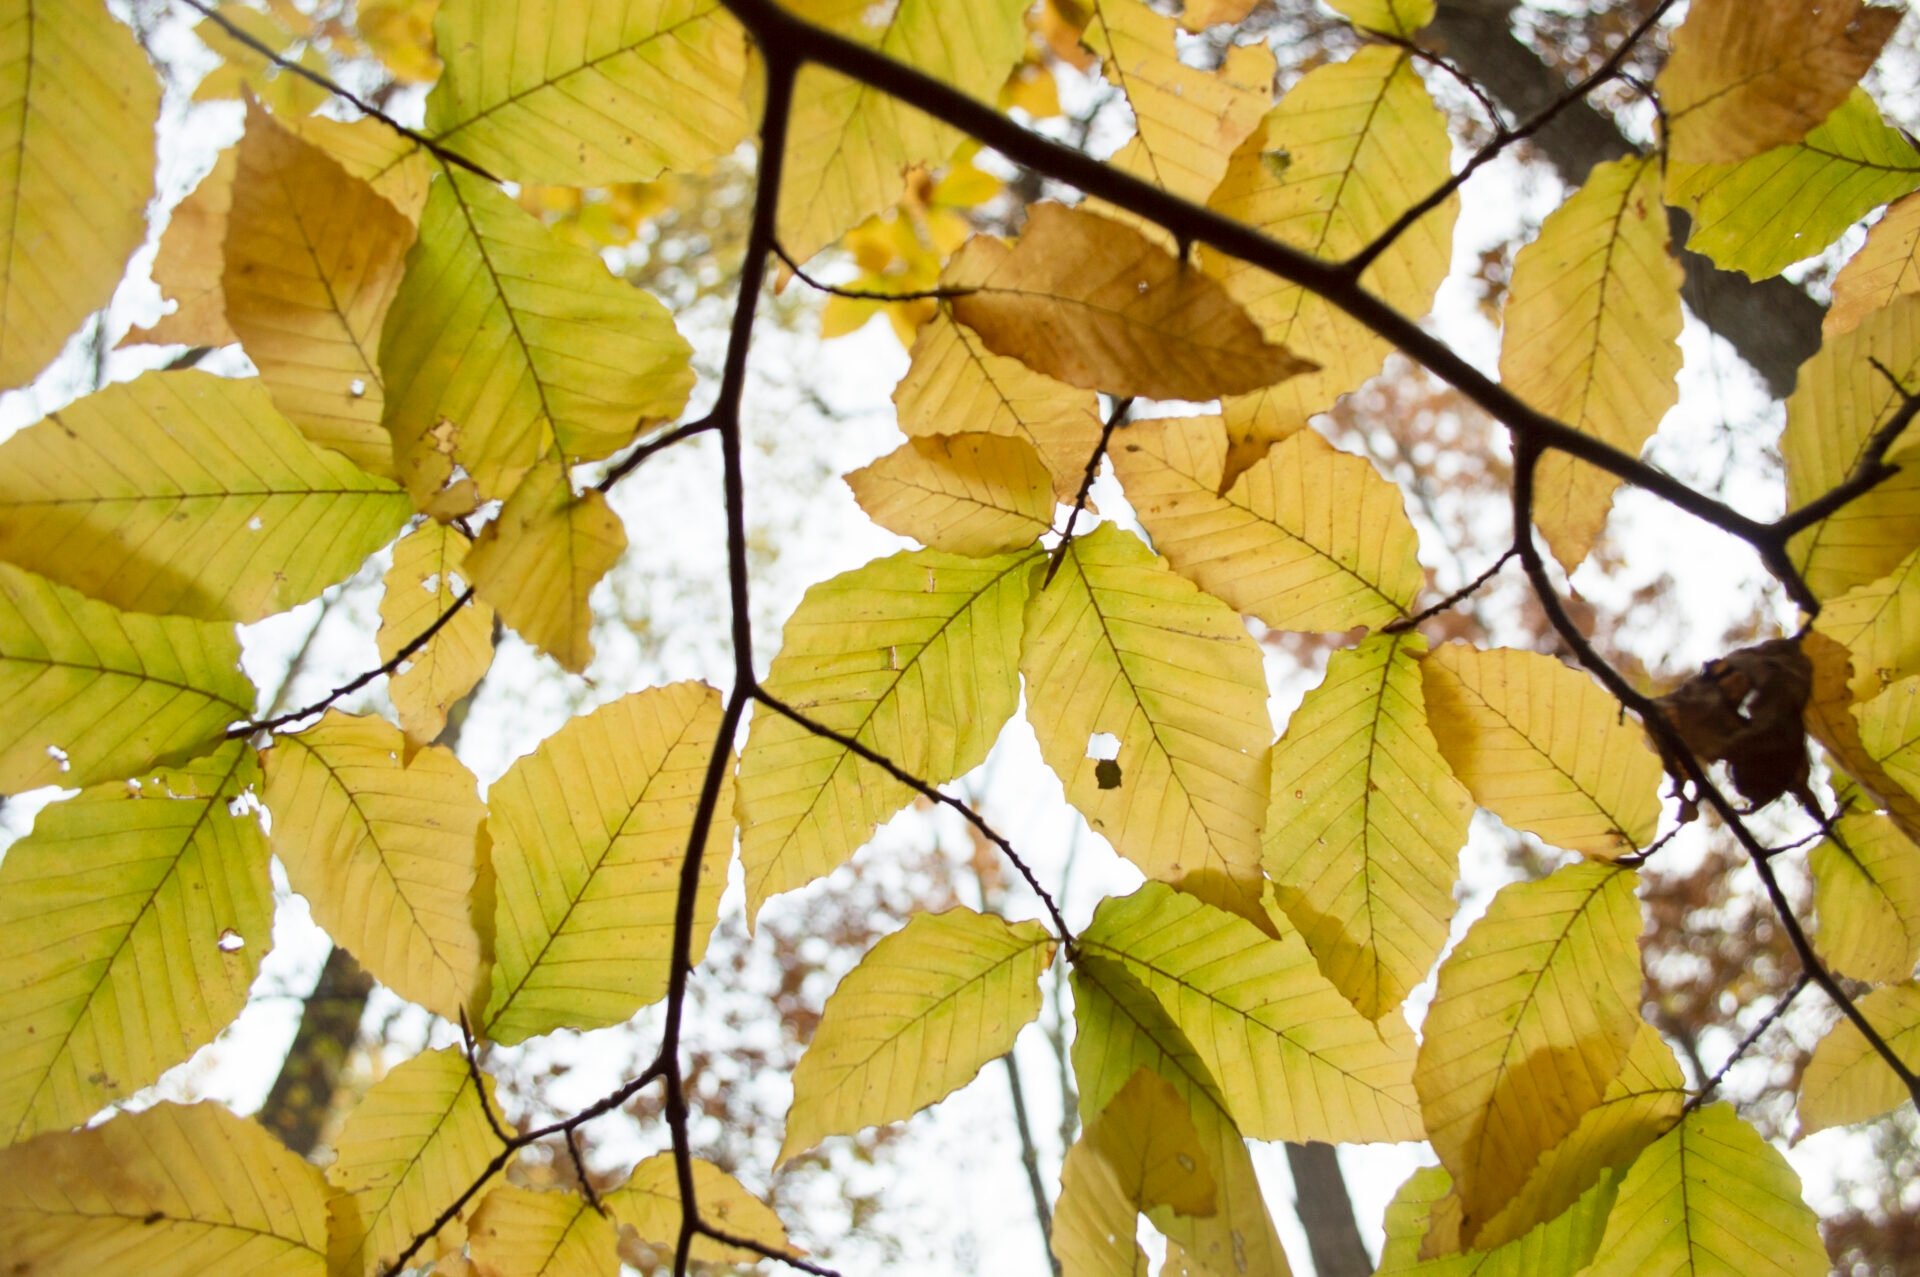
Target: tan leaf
{"x": 974, "y": 494}
{"x": 521, "y": 1233}
{"x": 1198, "y": 15}
{"x": 187, "y": 267}
{"x": 391, "y": 162}
{"x": 1879, "y": 624}
{"x": 1831, "y": 722}
{"x": 1887, "y": 266}
{"x": 428, "y": 577}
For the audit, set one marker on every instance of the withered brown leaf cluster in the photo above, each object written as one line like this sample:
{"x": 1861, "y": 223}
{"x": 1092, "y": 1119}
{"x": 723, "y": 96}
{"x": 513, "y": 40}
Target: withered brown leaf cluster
{"x": 1744, "y": 709}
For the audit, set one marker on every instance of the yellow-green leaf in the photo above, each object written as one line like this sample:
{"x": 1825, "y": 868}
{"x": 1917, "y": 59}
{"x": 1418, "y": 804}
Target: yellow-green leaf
{"x": 1306, "y": 538}
{"x": 391, "y": 162}
{"x": 925, "y": 1009}
{"x": 188, "y": 493}
{"x": 1830, "y": 720}
{"x": 1880, "y": 625}
{"x": 544, "y": 91}
{"x": 1711, "y": 1197}
{"x": 976, "y": 494}
{"x": 1120, "y": 644}
{"x": 1347, "y": 150}
{"x": 78, "y": 105}
{"x": 1534, "y": 1015}
{"x": 1543, "y": 747}
{"x": 1746, "y": 75}
{"x": 1866, "y": 894}
{"x": 1890, "y": 732}
{"x": 1886, "y": 267}
{"x": 1592, "y": 338}
{"x": 1764, "y": 214}
{"x": 427, "y": 577}
{"x": 94, "y": 693}
{"x": 418, "y": 1137}
{"x": 1847, "y": 1080}
{"x": 521, "y": 1233}
{"x": 914, "y": 656}
{"x": 382, "y": 841}
{"x": 1291, "y": 1058}
{"x": 1096, "y": 304}
{"x": 170, "y": 1191}
{"x": 1365, "y": 824}
{"x": 1409, "y": 1217}
{"x": 1559, "y": 1247}
{"x": 132, "y": 921}
{"x": 1395, "y": 17}
{"x": 849, "y": 145}
{"x": 649, "y": 1203}
{"x": 521, "y": 342}
{"x": 313, "y": 257}
{"x": 588, "y": 835}
{"x": 188, "y": 265}
{"x": 539, "y": 561}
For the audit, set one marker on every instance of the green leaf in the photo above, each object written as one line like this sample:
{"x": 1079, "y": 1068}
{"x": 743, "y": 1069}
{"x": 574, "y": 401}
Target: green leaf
{"x": 925, "y": 1009}
{"x": 188, "y": 493}
{"x": 1365, "y": 824}
{"x": 1410, "y": 1218}
{"x": 588, "y": 835}
{"x": 544, "y": 91}
{"x": 132, "y": 921}
{"x": 1890, "y": 732}
{"x": 914, "y": 656}
{"x": 1847, "y": 1080}
{"x": 93, "y": 693}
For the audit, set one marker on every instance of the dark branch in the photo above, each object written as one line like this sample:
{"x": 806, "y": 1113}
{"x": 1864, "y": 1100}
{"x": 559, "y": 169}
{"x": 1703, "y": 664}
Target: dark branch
{"x": 1747, "y": 1043}
{"x": 1030, "y": 1160}
{"x": 468, "y": 1047}
{"x": 865, "y": 294}
{"x": 1453, "y": 600}
{"x": 1114, "y": 418}
{"x": 631, "y": 462}
{"x": 765, "y": 1251}
{"x": 1869, "y": 471}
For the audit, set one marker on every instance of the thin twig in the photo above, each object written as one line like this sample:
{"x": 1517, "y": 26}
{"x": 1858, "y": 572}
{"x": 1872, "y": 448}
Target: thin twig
{"x": 1747, "y": 1043}
{"x": 587, "y": 1189}
{"x": 1119, "y": 414}
{"x": 1453, "y": 71}
{"x": 1868, "y": 471}
{"x": 1452, "y": 600}
{"x": 760, "y": 1248}
{"x": 1030, "y": 1161}
{"x": 631, "y": 462}
{"x": 867, "y": 294}
{"x": 479, "y": 1087}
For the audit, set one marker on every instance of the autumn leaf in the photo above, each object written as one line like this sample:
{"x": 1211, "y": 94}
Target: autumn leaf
{"x": 1886, "y": 267}
{"x": 517, "y": 1232}
{"x": 427, "y": 579}
{"x": 1879, "y": 624}
{"x": 1559, "y": 1247}
{"x": 1866, "y": 893}
{"x": 1847, "y": 1080}
{"x": 1395, "y": 17}
{"x": 1830, "y": 720}
{"x": 190, "y": 261}
{"x": 974, "y": 494}
{"x": 649, "y": 1203}
{"x": 395, "y": 165}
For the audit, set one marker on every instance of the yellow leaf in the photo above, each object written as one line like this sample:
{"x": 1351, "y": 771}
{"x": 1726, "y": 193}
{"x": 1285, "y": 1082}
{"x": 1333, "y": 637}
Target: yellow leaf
{"x": 1764, "y": 214}
{"x": 539, "y": 560}
{"x": 392, "y": 163}
{"x": 1306, "y": 538}
{"x": 1098, "y": 305}
{"x": 1095, "y": 1218}
{"x": 1543, "y": 747}
{"x": 81, "y": 105}
{"x": 520, "y": 1233}
{"x": 849, "y": 146}
{"x": 171, "y": 1191}
{"x": 522, "y": 341}
{"x": 1119, "y": 644}
{"x": 914, "y": 656}
{"x": 1830, "y": 720}
{"x": 1121, "y": 1029}
{"x": 400, "y": 32}
{"x": 313, "y": 256}
{"x": 383, "y": 846}
{"x": 1886, "y": 267}
{"x": 976, "y": 494}
{"x": 1347, "y": 150}
{"x": 93, "y": 693}
{"x": 925, "y": 1009}
{"x": 427, "y": 577}
{"x": 611, "y": 93}
{"x": 241, "y": 67}
{"x": 1879, "y": 623}
{"x": 1291, "y": 1058}
{"x": 1197, "y": 15}
{"x": 418, "y": 1134}
{"x": 1410, "y": 1218}
{"x": 1592, "y": 338}
{"x": 132, "y": 921}
{"x": 649, "y": 1203}
{"x": 1394, "y": 17}
{"x": 1890, "y": 732}
{"x": 1745, "y": 75}
{"x": 1847, "y": 1080}
{"x": 588, "y": 834}
{"x": 1534, "y": 1015}
{"x": 1711, "y": 1197}
{"x": 955, "y": 383}
{"x": 188, "y": 493}
{"x": 187, "y": 267}
{"x": 1867, "y": 896}
{"x": 1560, "y": 1247}
{"x": 1365, "y": 824}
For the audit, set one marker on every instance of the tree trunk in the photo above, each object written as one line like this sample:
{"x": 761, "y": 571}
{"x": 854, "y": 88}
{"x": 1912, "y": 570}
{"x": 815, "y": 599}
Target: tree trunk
{"x": 297, "y": 1106}
{"x": 1326, "y": 1212}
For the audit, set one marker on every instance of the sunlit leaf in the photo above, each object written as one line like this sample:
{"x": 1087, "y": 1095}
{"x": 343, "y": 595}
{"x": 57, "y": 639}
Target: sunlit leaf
{"x": 1886, "y": 267}
{"x": 1746, "y": 76}
{"x": 1830, "y": 720}
{"x": 389, "y": 161}
{"x": 1592, "y": 328}
{"x": 428, "y": 576}
{"x": 1764, "y": 214}
{"x": 520, "y": 1233}
{"x": 1291, "y": 1058}
{"x": 400, "y": 33}
{"x": 78, "y": 105}
{"x": 977, "y": 494}
{"x": 1120, "y": 644}
{"x": 1096, "y": 304}
{"x": 170, "y": 1191}
{"x": 589, "y": 832}
{"x": 419, "y": 1136}
{"x": 313, "y": 256}
{"x": 1847, "y": 1080}
{"x": 543, "y": 91}
{"x": 1365, "y": 824}
{"x": 1395, "y": 17}
{"x": 1711, "y": 1197}
{"x": 1306, "y": 538}
{"x": 188, "y": 265}
{"x": 1866, "y": 894}
{"x": 93, "y": 693}
{"x": 1880, "y": 625}
{"x": 1409, "y": 1217}
{"x": 1559, "y": 1247}
{"x": 187, "y": 493}
{"x": 1543, "y": 747}
{"x": 1198, "y": 15}
{"x": 539, "y": 561}
{"x": 381, "y": 840}
{"x": 1536, "y": 1009}
{"x": 914, "y": 656}
{"x": 132, "y": 921}
{"x": 925, "y": 1009}
{"x": 649, "y": 1203}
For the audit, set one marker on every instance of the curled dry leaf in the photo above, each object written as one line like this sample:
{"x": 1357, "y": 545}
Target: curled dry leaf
{"x": 1745, "y": 709}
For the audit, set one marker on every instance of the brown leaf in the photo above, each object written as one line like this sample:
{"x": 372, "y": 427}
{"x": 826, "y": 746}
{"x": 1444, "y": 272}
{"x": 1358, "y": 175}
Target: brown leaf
{"x": 1745, "y": 709}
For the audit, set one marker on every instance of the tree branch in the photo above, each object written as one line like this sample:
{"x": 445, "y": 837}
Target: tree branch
{"x": 1747, "y": 1044}
{"x": 1119, "y": 414}
{"x": 1030, "y": 1161}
